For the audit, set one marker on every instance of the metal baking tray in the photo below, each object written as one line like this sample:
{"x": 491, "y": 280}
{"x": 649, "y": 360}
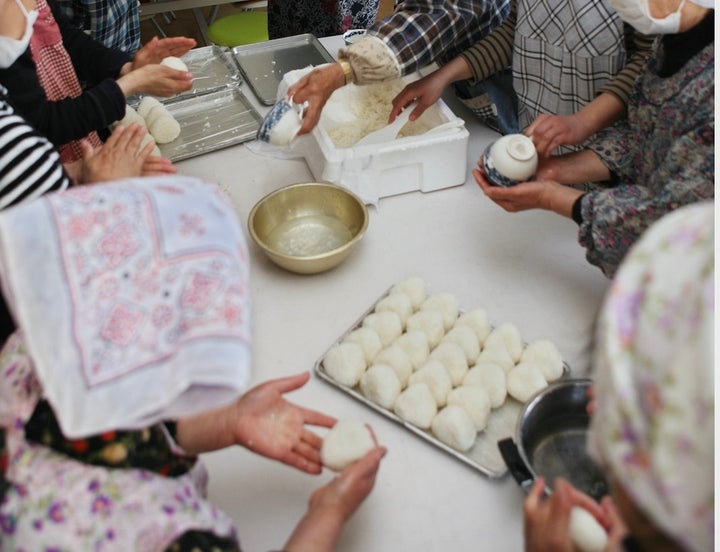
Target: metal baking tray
{"x": 484, "y": 456}
{"x": 263, "y": 64}
{"x": 210, "y": 122}
{"x": 213, "y": 67}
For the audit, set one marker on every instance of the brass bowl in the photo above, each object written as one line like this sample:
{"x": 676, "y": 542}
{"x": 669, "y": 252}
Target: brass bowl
{"x": 308, "y": 227}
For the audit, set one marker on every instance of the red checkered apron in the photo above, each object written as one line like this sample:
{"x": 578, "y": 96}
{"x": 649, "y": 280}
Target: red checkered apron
{"x": 55, "y": 72}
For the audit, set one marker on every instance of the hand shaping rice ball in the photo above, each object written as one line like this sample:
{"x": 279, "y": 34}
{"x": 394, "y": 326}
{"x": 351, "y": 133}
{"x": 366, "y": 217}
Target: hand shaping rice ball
{"x": 453, "y": 359}
{"x": 414, "y": 287}
{"x": 468, "y": 341}
{"x": 546, "y": 356}
{"x": 174, "y": 63}
{"x": 524, "y": 381}
{"x": 369, "y": 342}
{"x": 585, "y": 531}
{"x": 476, "y": 402}
{"x": 496, "y": 354}
{"x": 164, "y": 129}
{"x": 399, "y": 303}
{"x": 508, "y": 336}
{"x": 396, "y": 357}
{"x": 446, "y": 304}
{"x": 387, "y": 325}
{"x": 490, "y": 377}
{"x": 416, "y": 405}
{"x": 453, "y": 426}
{"x": 346, "y": 443}
{"x": 380, "y": 385}
{"x": 434, "y": 375}
{"x": 430, "y": 322}
{"x": 477, "y": 319}
{"x": 345, "y": 363}
{"x": 146, "y": 104}
{"x": 417, "y": 346}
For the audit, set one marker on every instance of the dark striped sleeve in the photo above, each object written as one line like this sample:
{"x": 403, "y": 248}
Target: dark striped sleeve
{"x": 494, "y": 52}
{"x": 639, "y": 48}
{"x": 29, "y": 165}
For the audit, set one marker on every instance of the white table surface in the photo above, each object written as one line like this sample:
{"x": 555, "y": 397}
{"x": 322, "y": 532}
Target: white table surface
{"x": 525, "y": 268}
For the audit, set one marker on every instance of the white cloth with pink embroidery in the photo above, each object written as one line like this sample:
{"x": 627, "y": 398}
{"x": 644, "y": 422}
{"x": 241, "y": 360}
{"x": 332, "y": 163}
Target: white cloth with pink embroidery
{"x": 133, "y": 299}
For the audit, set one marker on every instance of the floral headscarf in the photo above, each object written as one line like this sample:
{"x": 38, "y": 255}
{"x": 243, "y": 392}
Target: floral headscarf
{"x": 653, "y": 423}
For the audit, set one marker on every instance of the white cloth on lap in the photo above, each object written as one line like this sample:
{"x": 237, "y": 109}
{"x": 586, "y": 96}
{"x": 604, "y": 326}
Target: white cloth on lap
{"x": 133, "y": 300}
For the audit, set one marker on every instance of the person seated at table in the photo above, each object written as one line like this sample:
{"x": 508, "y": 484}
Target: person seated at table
{"x": 125, "y": 368}
{"x": 573, "y": 62}
{"x": 418, "y": 33}
{"x": 652, "y": 421}
{"x": 70, "y": 87}
{"x": 319, "y": 17}
{"x": 658, "y": 159}
{"x": 114, "y": 23}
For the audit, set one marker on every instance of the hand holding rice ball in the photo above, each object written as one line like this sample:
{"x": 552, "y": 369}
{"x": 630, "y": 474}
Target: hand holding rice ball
{"x": 346, "y": 443}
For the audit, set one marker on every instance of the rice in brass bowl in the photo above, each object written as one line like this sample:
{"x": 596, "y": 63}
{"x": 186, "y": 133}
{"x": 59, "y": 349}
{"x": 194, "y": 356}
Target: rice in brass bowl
{"x": 308, "y": 227}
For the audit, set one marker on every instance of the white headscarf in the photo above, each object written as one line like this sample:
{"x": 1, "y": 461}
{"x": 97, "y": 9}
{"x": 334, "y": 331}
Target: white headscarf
{"x": 653, "y": 424}
{"x": 132, "y": 299}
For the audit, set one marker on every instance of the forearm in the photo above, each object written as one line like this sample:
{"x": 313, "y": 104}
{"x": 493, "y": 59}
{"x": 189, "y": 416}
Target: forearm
{"x": 603, "y": 111}
{"x": 315, "y": 532}
{"x": 575, "y": 168}
{"x": 204, "y": 432}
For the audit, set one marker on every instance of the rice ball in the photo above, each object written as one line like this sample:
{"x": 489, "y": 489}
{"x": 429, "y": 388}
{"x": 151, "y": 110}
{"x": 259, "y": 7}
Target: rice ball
{"x": 380, "y": 385}
{"x": 345, "y": 363}
{"x": 430, "y": 322}
{"x": 369, "y": 342}
{"x": 399, "y": 303}
{"x": 524, "y": 381}
{"x": 346, "y": 443}
{"x": 415, "y": 289}
{"x": 416, "y": 405}
{"x": 164, "y": 129}
{"x": 476, "y": 402}
{"x": 546, "y": 356}
{"x": 154, "y": 114}
{"x": 434, "y": 375}
{"x": 146, "y": 104}
{"x": 396, "y": 357}
{"x": 477, "y": 319}
{"x": 508, "y": 336}
{"x": 446, "y": 304}
{"x": 490, "y": 377}
{"x": 496, "y": 354}
{"x": 147, "y": 139}
{"x": 131, "y": 116}
{"x": 467, "y": 339}
{"x": 387, "y": 325}
{"x": 585, "y": 531}
{"x": 417, "y": 346}
{"x": 453, "y": 359}
{"x": 453, "y": 426}
{"x": 174, "y": 63}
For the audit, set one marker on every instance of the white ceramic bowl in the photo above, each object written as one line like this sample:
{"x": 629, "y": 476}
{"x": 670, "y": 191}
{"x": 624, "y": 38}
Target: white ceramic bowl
{"x": 281, "y": 124}
{"x": 510, "y": 160}
{"x": 353, "y": 35}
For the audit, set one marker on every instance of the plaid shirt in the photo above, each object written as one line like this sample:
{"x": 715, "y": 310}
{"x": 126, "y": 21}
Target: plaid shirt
{"x": 423, "y": 31}
{"x": 114, "y": 23}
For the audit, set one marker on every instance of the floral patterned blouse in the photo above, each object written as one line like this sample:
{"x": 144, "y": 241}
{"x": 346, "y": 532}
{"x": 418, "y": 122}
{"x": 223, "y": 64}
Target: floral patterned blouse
{"x": 662, "y": 157}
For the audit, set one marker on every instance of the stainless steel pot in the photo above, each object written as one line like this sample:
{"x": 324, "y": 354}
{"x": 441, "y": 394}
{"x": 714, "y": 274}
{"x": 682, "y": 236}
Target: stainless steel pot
{"x": 551, "y": 437}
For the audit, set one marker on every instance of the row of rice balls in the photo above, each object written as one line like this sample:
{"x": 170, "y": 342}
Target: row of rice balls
{"x": 436, "y": 368}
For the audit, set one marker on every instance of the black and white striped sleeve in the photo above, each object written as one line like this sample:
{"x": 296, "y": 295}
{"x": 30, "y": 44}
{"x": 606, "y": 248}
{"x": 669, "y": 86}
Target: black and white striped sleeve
{"x": 29, "y": 165}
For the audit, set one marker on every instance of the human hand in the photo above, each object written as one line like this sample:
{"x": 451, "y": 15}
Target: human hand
{"x": 547, "y": 519}
{"x": 333, "y": 504}
{"x": 426, "y": 91}
{"x": 155, "y": 165}
{"x": 264, "y": 422}
{"x": 617, "y": 530}
{"x": 549, "y": 132}
{"x": 315, "y": 88}
{"x": 159, "y": 48}
{"x": 119, "y": 157}
{"x": 156, "y": 80}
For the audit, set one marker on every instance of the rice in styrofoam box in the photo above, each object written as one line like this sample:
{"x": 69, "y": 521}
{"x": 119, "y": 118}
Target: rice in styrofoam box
{"x": 413, "y": 161}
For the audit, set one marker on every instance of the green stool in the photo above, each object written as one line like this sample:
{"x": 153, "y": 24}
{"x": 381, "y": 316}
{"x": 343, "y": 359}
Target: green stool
{"x": 240, "y": 28}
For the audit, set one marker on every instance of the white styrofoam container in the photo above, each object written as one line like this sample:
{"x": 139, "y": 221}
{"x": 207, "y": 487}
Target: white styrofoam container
{"x": 426, "y": 162}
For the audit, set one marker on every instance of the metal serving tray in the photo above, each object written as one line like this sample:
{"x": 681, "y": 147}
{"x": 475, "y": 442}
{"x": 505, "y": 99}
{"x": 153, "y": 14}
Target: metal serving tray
{"x": 210, "y": 122}
{"x": 484, "y": 456}
{"x": 263, "y": 64}
{"x": 213, "y": 67}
